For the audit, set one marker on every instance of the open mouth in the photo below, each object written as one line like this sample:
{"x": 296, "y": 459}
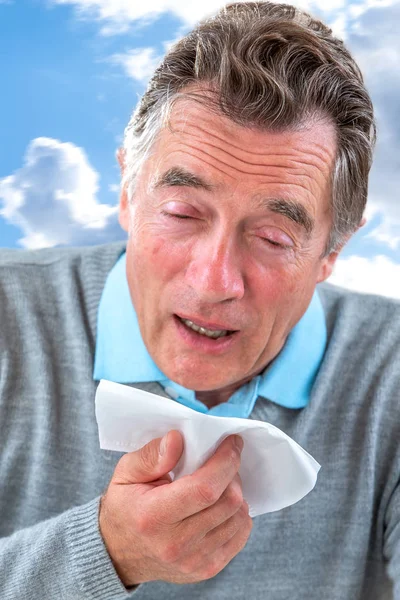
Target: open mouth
{"x": 214, "y": 334}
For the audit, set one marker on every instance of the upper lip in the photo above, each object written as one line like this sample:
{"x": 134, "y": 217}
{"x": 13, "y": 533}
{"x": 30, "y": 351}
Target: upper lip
{"x": 213, "y": 325}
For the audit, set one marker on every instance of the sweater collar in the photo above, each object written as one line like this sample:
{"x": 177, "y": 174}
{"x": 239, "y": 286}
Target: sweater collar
{"x": 122, "y": 357}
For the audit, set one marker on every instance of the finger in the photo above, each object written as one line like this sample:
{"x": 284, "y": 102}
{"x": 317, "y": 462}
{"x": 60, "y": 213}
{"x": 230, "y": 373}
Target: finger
{"x": 223, "y": 555}
{"x": 150, "y": 462}
{"x": 208, "y": 519}
{"x": 192, "y": 493}
{"x": 220, "y": 535}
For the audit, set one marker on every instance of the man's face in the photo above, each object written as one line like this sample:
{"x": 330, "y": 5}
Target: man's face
{"x": 226, "y": 230}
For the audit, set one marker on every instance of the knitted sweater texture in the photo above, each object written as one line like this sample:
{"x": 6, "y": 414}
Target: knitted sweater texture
{"x": 341, "y": 542}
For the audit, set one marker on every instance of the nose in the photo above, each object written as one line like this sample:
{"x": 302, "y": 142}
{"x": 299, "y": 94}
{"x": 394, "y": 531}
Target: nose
{"x": 214, "y": 271}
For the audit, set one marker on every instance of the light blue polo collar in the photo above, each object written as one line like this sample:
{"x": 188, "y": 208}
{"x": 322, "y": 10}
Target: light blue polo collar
{"x": 122, "y": 357}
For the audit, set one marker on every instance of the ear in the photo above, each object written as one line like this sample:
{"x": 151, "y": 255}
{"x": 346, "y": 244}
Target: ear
{"x": 328, "y": 262}
{"x": 123, "y": 216}
{"x": 120, "y": 154}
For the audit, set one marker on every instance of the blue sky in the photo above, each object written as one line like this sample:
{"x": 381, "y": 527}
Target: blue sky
{"x": 72, "y": 71}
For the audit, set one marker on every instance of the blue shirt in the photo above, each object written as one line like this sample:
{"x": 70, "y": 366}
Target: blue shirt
{"x": 122, "y": 357}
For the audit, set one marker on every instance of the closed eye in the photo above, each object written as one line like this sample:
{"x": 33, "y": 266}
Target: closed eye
{"x": 276, "y": 245}
{"x": 273, "y": 243}
{"x": 176, "y": 216}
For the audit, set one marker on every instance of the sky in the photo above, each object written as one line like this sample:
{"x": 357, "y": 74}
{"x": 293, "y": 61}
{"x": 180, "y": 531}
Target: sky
{"x": 72, "y": 72}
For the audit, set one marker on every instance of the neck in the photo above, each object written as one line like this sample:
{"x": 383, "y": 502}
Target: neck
{"x": 213, "y": 397}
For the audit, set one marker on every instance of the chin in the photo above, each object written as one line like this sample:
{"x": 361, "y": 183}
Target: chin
{"x": 194, "y": 373}
{"x": 204, "y": 383}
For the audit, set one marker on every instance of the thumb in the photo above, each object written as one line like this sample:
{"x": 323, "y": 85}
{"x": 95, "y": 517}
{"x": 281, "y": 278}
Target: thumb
{"x": 152, "y": 461}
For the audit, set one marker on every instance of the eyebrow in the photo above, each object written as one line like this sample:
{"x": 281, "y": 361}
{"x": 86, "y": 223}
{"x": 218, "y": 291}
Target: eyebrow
{"x": 176, "y": 176}
{"x": 291, "y": 209}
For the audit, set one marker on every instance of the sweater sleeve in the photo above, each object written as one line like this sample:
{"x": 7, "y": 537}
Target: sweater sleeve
{"x": 63, "y": 557}
{"x": 392, "y": 541}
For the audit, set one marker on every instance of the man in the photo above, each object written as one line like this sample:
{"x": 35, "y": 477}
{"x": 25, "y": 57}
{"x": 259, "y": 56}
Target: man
{"x": 244, "y": 173}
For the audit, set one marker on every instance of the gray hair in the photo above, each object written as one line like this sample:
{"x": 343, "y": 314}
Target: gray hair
{"x": 274, "y": 67}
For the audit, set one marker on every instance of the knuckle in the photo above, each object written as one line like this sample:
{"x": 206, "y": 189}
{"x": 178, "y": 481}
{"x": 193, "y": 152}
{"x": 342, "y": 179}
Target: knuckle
{"x": 234, "y": 496}
{"x": 244, "y": 525}
{"x": 243, "y": 511}
{"x": 207, "y": 494}
{"x": 143, "y": 522}
{"x": 230, "y": 529}
{"x": 189, "y": 566}
{"x": 212, "y": 569}
{"x": 234, "y": 457}
{"x": 170, "y": 553}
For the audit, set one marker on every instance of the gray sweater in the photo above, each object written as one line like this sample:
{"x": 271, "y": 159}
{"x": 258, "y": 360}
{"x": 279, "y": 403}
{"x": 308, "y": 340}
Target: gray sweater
{"x": 341, "y": 542}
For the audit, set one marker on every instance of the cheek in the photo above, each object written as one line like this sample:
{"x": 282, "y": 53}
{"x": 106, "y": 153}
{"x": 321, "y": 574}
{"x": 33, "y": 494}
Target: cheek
{"x": 155, "y": 249}
{"x": 278, "y": 291}
{"x": 273, "y": 285}
{"x": 159, "y": 254}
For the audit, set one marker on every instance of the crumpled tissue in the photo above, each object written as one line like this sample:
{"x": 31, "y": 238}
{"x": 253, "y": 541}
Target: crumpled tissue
{"x": 275, "y": 471}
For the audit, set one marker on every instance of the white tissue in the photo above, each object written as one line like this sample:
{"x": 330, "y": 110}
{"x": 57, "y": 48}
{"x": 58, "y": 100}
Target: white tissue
{"x": 275, "y": 471}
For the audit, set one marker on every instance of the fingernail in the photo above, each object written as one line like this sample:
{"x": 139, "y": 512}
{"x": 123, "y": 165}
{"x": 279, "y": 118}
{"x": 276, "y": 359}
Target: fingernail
{"x": 163, "y": 445}
{"x": 239, "y": 443}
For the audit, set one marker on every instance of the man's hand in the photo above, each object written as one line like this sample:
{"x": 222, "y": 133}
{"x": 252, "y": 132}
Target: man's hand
{"x": 183, "y": 531}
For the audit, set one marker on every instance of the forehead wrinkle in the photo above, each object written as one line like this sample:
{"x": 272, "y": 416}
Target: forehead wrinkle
{"x": 289, "y": 157}
{"x": 297, "y": 185}
{"x": 310, "y": 146}
{"x": 260, "y": 200}
{"x": 206, "y": 162}
{"x": 268, "y": 176}
{"x": 200, "y": 150}
{"x": 308, "y": 163}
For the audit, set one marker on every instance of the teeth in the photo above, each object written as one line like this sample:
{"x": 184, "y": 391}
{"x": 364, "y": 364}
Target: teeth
{"x": 208, "y": 332}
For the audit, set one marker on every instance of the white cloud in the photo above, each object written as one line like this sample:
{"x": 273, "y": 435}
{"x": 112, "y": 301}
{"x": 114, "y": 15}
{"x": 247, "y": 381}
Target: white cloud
{"x": 376, "y": 45}
{"x": 367, "y": 26}
{"x": 339, "y": 26}
{"x": 139, "y": 63}
{"x": 378, "y": 275}
{"x": 116, "y": 15}
{"x": 52, "y": 198}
